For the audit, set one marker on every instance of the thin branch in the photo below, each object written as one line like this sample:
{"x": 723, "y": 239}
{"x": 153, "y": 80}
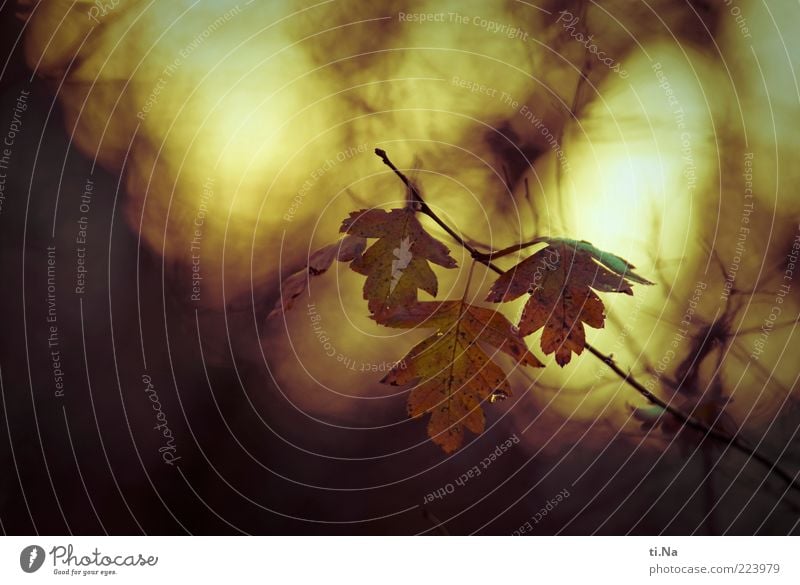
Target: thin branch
{"x": 482, "y": 257}
{"x": 486, "y": 260}
{"x": 583, "y": 76}
{"x": 423, "y": 207}
{"x": 733, "y": 441}
{"x": 515, "y": 248}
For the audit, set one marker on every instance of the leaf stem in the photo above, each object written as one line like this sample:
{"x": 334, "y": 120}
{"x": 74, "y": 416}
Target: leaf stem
{"x": 469, "y": 281}
{"x": 486, "y": 260}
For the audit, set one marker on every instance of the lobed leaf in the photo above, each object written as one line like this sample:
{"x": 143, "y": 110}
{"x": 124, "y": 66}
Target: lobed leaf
{"x": 559, "y": 279}
{"x": 397, "y": 264}
{"x": 452, "y": 374}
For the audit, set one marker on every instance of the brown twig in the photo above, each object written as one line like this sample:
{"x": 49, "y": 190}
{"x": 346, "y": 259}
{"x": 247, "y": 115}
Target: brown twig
{"x": 733, "y": 441}
{"x": 486, "y": 260}
{"x": 515, "y": 248}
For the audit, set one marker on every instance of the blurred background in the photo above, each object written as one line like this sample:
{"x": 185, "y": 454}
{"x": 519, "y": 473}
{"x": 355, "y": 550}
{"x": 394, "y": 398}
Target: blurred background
{"x": 164, "y": 165}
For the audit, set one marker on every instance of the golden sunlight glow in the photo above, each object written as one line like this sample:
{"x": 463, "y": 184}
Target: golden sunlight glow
{"x": 240, "y": 126}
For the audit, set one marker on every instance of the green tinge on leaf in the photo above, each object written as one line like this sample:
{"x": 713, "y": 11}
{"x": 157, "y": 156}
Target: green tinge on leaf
{"x": 611, "y": 261}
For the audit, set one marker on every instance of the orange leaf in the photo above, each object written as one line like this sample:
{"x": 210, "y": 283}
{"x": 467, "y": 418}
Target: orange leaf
{"x": 560, "y": 278}
{"x": 453, "y": 375}
{"x": 397, "y": 264}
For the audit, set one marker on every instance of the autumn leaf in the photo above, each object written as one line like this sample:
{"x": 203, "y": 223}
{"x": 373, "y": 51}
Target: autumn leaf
{"x": 396, "y": 265}
{"x": 611, "y": 261}
{"x": 560, "y": 279}
{"x": 452, "y": 373}
{"x": 347, "y": 249}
